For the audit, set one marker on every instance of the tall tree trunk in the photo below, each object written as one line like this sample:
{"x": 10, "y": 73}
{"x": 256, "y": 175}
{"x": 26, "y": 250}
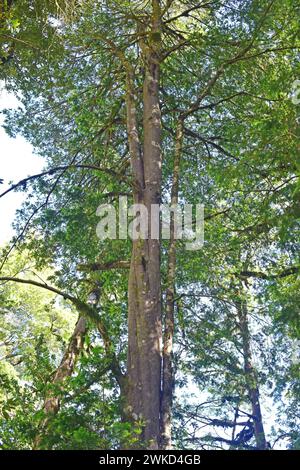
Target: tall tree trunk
{"x": 65, "y": 369}
{"x": 144, "y": 289}
{"x": 168, "y": 372}
{"x": 251, "y": 377}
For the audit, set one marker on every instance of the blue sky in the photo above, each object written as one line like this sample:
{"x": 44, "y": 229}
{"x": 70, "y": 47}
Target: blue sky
{"x": 17, "y": 161}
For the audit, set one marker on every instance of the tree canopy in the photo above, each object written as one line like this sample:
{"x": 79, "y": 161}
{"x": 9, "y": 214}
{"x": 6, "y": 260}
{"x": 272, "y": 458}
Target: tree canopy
{"x": 119, "y": 343}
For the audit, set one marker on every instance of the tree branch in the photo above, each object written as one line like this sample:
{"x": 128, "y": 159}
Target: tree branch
{"x": 261, "y": 275}
{"x": 86, "y": 311}
{"x": 239, "y": 56}
{"x": 187, "y": 11}
{"x": 24, "y": 182}
{"x": 119, "y": 264}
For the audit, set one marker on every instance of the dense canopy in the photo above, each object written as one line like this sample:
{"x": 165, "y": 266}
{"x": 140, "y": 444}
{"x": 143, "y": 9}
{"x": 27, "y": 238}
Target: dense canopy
{"x": 119, "y": 343}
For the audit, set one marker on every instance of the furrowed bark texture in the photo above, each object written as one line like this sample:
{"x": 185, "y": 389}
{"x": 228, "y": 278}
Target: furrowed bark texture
{"x": 144, "y": 289}
{"x": 168, "y": 372}
{"x": 251, "y": 377}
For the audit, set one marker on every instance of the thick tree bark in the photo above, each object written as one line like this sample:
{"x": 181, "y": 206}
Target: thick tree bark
{"x": 168, "y": 372}
{"x": 251, "y": 377}
{"x": 65, "y": 369}
{"x": 144, "y": 289}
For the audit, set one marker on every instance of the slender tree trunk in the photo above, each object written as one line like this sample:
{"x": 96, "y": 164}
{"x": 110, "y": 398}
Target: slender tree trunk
{"x": 144, "y": 289}
{"x": 168, "y": 372}
{"x": 65, "y": 369}
{"x": 251, "y": 377}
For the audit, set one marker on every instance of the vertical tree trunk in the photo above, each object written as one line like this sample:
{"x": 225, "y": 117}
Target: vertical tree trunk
{"x": 65, "y": 369}
{"x": 251, "y": 377}
{"x": 168, "y": 372}
{"x": 144, "y": 290}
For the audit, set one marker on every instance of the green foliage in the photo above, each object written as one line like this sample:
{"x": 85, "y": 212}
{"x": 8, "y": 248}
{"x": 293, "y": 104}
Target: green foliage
{"x": 240, "y": 158}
